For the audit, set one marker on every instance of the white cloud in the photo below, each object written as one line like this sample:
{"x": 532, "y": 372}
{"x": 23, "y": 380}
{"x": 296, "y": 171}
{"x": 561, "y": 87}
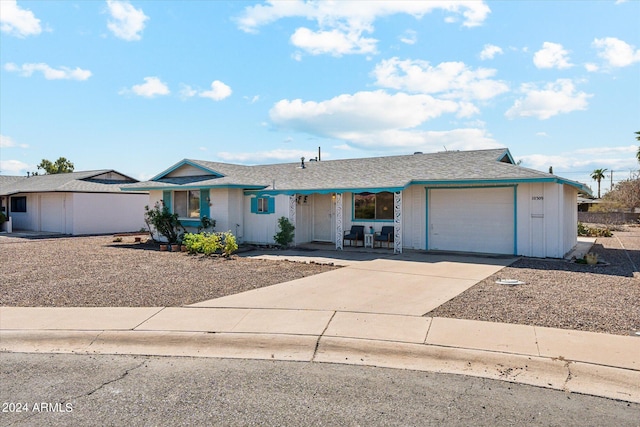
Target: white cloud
{"x": 577, "y": 165}
{"x": 273, "y": 156}
{"x": 218, "y": 92}
{"x": 13, "y": 167}
{"x": 409, "y": 37}
{"x": 126, "y": 21}
{"x": 334, "y": 42}
{"x": 542, "y": 134}
{"x": 16, "y": 21}
{"x": 607, "y": 151}
{"x": 341, "y": 25}
{"x": 428, "y": 141}
{"x": 379, "y": 120}
{"x": 187, "y": 91}
{"x": 552, "y": 55}
{"x": 8, "y": 142}
{"x": 616, "y": 52}
{"x": 151, "y": 87}
{"x": 555, "y": 98}
{"x": 490, "y": 51}
{"x": 591, "y": 67}
{"x": 49, "y": 73}
{"x": 454, "y": 80}
{"x": 373, "y": 111}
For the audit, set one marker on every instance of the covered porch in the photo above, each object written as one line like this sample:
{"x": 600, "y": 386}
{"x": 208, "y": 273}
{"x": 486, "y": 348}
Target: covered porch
{"x": 323, "y": 218}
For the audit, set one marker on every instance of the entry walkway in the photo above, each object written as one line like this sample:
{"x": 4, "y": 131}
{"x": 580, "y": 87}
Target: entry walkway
{"x": 353, "y": 316}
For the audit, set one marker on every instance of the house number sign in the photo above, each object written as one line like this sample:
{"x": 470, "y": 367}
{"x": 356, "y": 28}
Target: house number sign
{"x": 537, "y": 198}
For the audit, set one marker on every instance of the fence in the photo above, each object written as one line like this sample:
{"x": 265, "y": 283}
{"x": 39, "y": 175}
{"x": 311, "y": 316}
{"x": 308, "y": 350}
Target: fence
{"x": 609, "y": 217}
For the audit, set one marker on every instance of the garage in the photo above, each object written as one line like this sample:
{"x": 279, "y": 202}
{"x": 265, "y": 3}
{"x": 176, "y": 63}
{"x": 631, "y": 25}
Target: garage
{"x": 471, "y": 219}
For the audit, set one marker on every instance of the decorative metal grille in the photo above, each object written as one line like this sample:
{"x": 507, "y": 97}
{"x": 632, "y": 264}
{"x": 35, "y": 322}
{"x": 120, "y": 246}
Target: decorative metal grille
{"x": 292, "y": 212}
{"x": 397, "y": 222}
{"x": 339, "y": 232}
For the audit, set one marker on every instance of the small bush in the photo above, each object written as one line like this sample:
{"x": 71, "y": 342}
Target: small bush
{"x": 585, "y": 231}
{"x": 284, "y": 237}
{"x": 229, "y": 244}
{"x": 210, "y": 243}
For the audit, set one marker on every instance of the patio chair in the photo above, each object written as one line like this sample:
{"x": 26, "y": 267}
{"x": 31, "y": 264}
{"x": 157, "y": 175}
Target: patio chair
{"x": 355, "y": 234}
{"x": 385, "y": 235}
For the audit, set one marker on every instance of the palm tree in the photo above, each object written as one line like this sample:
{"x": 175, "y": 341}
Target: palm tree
{"x": 638, "y": 152}
{"x": 598, "y": 175}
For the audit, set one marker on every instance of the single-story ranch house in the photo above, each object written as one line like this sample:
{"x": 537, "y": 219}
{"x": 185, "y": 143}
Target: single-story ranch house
{"x": 471, "y": 201}
{"x": 90, "y": 202}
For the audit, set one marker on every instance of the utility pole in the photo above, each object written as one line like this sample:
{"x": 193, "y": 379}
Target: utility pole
{"x": 611, "y": 187}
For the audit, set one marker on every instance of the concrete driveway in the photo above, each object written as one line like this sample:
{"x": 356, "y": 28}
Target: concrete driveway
{"x": 409, "y": 284}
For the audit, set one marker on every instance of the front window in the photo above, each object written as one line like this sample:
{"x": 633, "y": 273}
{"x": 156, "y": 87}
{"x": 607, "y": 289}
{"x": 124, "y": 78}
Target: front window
{"x": 263, "y": 205}
{"x": 187, "y": 203}
{"x": 378, "y": 206}
{"x": 19, "y": 204}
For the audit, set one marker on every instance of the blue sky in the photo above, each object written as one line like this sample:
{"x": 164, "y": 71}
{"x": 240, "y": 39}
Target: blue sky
{"x": 137, "y": 86}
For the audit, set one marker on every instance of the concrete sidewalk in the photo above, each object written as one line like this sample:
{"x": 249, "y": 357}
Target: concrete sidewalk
{"x": 582, "y": 362}
{"x": 346, "y": 316}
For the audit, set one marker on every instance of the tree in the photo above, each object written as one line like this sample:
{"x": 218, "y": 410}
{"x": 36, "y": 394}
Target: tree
{"x": 62, "y": 165}
{"x": 638, "y": 152}
{"x": 598, "y": 175}
{"x": 624, "y": 195}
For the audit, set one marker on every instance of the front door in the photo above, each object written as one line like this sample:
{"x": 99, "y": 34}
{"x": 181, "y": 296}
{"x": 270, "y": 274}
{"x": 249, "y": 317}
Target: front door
{"x": 323, "y": 218}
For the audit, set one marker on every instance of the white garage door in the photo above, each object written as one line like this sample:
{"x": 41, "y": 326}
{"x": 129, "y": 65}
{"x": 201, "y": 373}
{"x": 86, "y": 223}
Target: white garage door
{"x": 52, "y": 213}
{"x": 472, "y": 220}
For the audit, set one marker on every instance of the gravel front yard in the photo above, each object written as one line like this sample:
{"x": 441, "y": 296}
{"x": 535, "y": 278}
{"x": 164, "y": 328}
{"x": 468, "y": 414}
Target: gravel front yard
{"x": 95, "y": 271}
{"x": 559, "y": 294}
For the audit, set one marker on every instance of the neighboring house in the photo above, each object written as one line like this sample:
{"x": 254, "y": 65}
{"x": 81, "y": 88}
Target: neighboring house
{"x": 76, "y": 203}
{"x": 470, "y": 201}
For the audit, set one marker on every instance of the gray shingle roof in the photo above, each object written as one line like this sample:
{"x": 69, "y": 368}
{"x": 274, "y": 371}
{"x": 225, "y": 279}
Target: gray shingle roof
{"x": 75, "y": 182}
{"x": 392, "y": 172}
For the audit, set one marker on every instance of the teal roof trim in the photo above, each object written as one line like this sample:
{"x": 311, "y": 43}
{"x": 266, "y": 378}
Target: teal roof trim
{"x": 507, "y": 154}
{"x": 506, "y": 181}
{"x": 183, "y": 163}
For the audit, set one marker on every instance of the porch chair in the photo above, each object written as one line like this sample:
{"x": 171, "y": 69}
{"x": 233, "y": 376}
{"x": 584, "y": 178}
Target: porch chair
{"x": 355, "y": 234}
{"x": 385, "y": 235}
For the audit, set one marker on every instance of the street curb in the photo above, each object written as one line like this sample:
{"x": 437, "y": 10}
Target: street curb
{"x": 553, "y": 373}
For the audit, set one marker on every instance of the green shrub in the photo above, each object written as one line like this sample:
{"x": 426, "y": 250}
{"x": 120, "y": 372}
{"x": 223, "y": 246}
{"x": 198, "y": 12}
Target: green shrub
{"x": 229, "y": 244}
{"x": 193, "y": 242}
{"x": 585, "y": 231}
{"x": 163, "y": 222}
{"x": 210, "y": 243}
{"x": 284, "y": 237}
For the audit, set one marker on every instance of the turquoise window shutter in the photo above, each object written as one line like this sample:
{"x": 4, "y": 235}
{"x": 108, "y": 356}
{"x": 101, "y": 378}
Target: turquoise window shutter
{"x": 254, "y": 205}
{"x": 271, "y": 205}
{"x": 204, "y": 204}
{"x": 166, "y": 198}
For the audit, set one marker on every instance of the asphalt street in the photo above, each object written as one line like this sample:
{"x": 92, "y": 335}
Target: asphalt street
{"x": 89, "y": 390}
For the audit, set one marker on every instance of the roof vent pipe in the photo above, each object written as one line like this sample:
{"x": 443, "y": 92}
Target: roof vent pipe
{"x": 302, "y": 166}
{"x": 319, "y": 158}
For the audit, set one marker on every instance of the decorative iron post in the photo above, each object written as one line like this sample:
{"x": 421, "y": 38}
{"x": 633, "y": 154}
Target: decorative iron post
{"x": 397, "y": 222}
{"x": 339, "y": 232}
{"x": 292, "y": 212}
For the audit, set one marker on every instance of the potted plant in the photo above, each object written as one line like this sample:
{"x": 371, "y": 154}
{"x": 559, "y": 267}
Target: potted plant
{"x": 591, "y": 258}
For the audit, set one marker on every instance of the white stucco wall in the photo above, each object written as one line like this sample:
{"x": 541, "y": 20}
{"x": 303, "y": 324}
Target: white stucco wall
{"x": 26, "y": 220}
{"x": 547, "y": 219}
{"x": 81, "y": 213}
{"x": 260, "y": 228}
{"x": 107, "y": 213}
